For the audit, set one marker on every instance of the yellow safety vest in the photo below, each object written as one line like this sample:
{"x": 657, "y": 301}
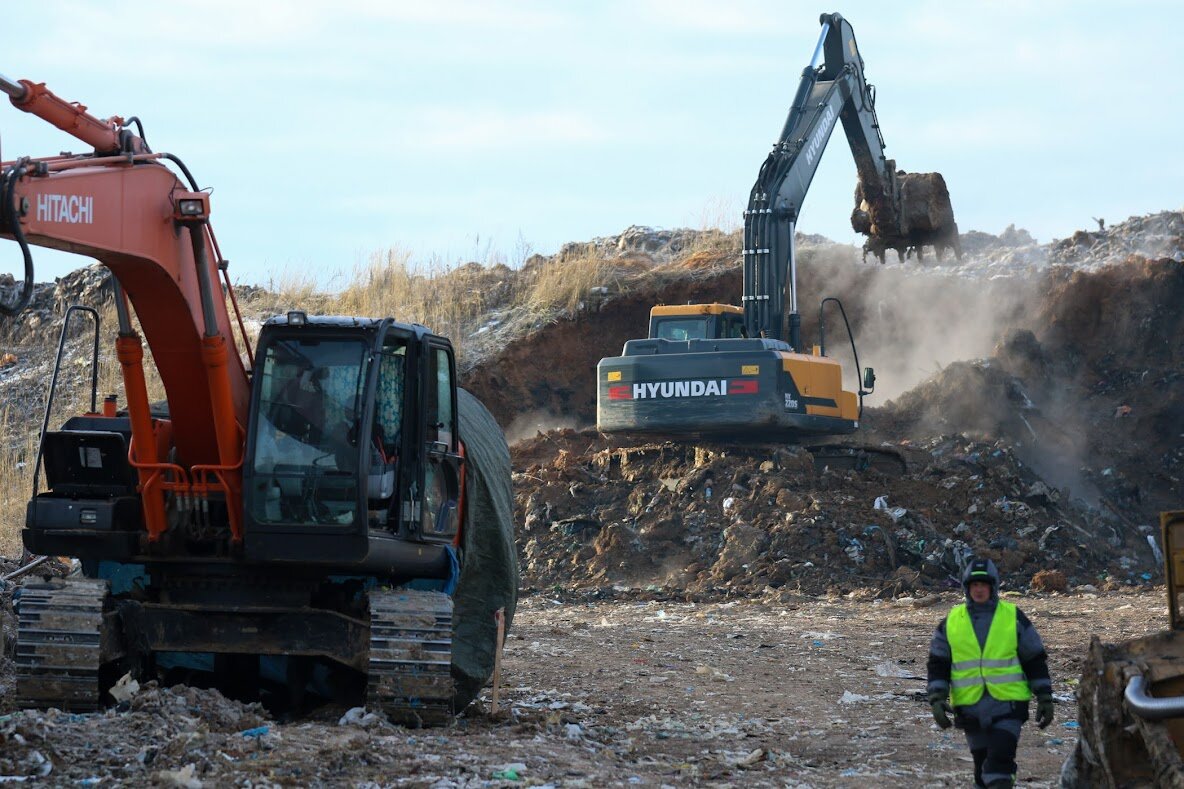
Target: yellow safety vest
{"x": 995, "y": 667}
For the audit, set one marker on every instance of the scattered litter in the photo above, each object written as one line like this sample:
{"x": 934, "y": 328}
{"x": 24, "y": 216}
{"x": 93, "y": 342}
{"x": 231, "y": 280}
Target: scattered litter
{"x": 185, "y": 778}
{"x": 509, "y": 772}
{"x": 358, "y": 716}
{"x": 1155, "y": 548}
{"x": 714, "y": 673}
{"x": 125, "y": 688}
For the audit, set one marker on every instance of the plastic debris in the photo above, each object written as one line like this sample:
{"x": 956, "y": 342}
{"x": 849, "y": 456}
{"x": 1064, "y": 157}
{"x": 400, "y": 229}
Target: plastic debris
{"x": 853, "y": 698}
{"x": 509, "y": 772}
{"x": 125, "y": 688}
{"x": 1155, "y": 548}
{"x": 185, "y": 778}
{"x": 358, "y": 716}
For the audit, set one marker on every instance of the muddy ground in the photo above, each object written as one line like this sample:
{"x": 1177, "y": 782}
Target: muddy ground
{"x": 784, "y": 690}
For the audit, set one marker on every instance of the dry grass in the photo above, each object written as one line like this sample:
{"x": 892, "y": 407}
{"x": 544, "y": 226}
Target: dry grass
{"x": 449, "y": 301}
{"x": 452, "y": 300}
{"x": 16, "y": 471}
{"x": 566, "y": 283}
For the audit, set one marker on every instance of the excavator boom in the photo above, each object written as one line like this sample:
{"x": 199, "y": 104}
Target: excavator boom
{"x": 895, "y": 210}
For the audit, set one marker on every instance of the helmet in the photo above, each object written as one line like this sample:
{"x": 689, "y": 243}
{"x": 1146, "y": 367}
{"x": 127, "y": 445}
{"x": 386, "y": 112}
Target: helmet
{"x": 978, "y": 569}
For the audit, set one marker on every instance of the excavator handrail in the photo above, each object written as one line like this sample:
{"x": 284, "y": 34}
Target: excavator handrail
{"x": 860, "y": 391}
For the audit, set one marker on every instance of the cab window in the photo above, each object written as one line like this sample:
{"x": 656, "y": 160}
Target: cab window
{"x": 441, "y": 420}
{"x": 682, "y": 329}
{"x": 733, "y": 326}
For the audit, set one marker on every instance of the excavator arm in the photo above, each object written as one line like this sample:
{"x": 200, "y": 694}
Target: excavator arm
{"x": 829, "y": 93}
{"x": 122, "y": 206}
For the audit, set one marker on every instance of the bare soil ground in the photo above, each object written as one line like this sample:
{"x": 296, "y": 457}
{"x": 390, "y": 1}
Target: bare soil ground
{"x": 764, "y": 633}
{"x": 786, "y": 690}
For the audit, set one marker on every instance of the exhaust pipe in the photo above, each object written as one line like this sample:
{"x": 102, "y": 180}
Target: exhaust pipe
{"x": 1149, "y": 707}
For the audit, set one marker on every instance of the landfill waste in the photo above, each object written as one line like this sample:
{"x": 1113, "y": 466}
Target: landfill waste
{"x": 710, "y": 574}
{"x": 790, "y": 526}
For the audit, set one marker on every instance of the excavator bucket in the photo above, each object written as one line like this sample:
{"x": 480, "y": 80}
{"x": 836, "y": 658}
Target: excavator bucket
{"x": 921, "y": 217}
{"x": 1124, "y": 737}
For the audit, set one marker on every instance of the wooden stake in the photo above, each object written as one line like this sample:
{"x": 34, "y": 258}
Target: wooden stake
{"x": 499, "y": 616}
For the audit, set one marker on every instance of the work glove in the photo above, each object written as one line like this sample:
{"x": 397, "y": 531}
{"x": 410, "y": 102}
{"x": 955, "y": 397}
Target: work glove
{"x": 941, "y": 709}
{"x": 1044, "y": 710}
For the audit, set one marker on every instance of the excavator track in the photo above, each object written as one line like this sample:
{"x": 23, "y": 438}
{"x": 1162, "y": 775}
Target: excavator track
{"x": 888, "y": 461}
{"x": 410, "y": 667}
{"x": 59, "y": 644}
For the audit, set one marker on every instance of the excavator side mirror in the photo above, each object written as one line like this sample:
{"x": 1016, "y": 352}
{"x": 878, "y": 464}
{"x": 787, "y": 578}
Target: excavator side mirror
{"x": 869, "y": 379}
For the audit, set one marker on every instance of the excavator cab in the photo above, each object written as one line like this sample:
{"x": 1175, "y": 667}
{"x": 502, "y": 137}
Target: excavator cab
{"x": 696, "y": 322}
{"x": 352, "y": 438}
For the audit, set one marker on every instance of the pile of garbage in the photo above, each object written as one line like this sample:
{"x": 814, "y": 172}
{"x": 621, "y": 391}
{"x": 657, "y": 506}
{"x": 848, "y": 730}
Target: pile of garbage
{"x": 91, "y": 286}
{"x": 705, "y": 521}
{"x": 1158, "y": 235}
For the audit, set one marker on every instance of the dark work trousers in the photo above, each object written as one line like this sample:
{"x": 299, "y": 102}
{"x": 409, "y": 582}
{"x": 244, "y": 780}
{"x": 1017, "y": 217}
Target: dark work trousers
{"x": 993, "y": 749}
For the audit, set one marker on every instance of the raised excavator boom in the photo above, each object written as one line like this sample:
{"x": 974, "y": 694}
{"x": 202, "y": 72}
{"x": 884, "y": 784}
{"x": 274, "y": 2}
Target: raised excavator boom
{"x": 721, "y": 369}
{"x": 895, "y": 210}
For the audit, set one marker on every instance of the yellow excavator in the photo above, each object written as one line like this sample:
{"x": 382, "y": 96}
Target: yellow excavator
{"x": 715, "y": 368}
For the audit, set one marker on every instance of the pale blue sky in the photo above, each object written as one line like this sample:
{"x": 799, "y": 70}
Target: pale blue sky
{"x": 328, "y": 131}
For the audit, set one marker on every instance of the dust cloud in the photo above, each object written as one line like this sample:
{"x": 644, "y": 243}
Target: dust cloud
{"x": 530, "y": 424}
{"x": 909, "y": 323}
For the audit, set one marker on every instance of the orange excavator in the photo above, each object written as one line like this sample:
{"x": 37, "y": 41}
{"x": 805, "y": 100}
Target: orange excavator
{"x": 300, "y": 518}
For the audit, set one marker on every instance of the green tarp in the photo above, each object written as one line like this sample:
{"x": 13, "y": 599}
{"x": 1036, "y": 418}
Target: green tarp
{"x": 489, "y": 558}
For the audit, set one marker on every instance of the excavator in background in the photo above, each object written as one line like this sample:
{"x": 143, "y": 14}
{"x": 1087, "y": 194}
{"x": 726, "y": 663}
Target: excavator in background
{"x": 720, "y": 369}
{"x": 329, "y": 519}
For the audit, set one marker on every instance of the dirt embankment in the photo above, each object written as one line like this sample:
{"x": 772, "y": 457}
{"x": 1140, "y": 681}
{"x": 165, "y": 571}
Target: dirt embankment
{"x": 1053, "y": 448}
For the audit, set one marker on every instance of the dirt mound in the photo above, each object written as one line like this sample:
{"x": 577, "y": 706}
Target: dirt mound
{"x": 1090, "y": 395}
{"x": 707, "y": 520}
{"x": 1053, "y": 447}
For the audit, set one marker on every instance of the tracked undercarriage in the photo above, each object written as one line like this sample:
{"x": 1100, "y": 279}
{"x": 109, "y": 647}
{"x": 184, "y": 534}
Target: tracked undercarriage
{"x": 62, "y": 643}
{"x": 75, "y": 639}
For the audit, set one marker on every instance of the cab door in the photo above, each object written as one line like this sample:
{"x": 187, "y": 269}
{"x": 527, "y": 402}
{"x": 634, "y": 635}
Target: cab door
{"x": 440, "y": 503}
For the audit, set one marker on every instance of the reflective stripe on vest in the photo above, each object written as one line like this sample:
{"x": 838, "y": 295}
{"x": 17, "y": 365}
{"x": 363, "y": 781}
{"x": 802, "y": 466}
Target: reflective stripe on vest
{"x": 995, "y": 667}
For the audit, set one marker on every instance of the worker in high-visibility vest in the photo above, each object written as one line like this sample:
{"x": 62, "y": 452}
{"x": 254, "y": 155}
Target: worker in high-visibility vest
{"x": 987, "y": 659}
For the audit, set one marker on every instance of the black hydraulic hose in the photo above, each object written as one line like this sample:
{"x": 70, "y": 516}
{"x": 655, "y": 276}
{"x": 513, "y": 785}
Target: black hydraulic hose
{"x": 188, "y": 175}
{"x": 822, "y": 342}
{"x": 12, "y": 219}
{"x": 140, "y": 129}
